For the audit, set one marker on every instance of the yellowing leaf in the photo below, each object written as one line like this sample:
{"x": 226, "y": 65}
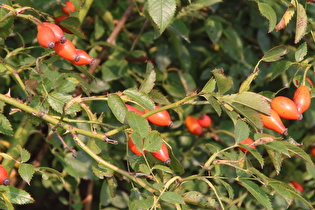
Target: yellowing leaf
{"x": 285, "y": 18}
{"x": 301, "y": 23}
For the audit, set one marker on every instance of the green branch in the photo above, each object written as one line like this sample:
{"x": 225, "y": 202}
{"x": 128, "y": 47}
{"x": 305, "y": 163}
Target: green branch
{"x": 50, "y": 119}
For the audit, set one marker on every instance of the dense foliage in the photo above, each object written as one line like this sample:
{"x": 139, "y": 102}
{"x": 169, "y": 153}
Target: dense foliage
{"x": 65, "y": 128}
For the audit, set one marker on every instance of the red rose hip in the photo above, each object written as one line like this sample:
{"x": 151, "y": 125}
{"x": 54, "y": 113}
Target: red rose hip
{"x": 285, "y": 108}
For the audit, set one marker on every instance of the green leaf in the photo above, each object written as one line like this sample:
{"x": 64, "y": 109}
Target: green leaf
{"x": 233, "y": 45}
{"x": 301, "y": 52}
{"x": 199, "y": 199}
{"x": 158, "y": 97}
{"x": 68, "y": 85}
{"x": 138, "y": 124}
{"x": 26, "y": 171}
{"x": 301, "y": 23}
{"x": 25, "y": 155}
{"x": 276, "y": 159}
{"x": 16, "y": 196}
{"x": 73, "y": 24}
{"x": 215, "y": 104}
{"x": 99, "y": 28}
{"x": 140, "y": 97}
{"x": 117, "y": 106}
{"x": 172, "y": 197}
{"x": 162, "y": 168}
{"x": 279, "y": 68}
{"x": 153, "y": 142}
{"x": 267, "y": 11}
{"x": 178, "y": 26}
{"x": 49, "y": 172}
{"x": 247, "y": 82}
{"x": 241, "y": 131}
{"x": 5, "y": 126}
{"x": 209, "y": 87}
{"x": 57, "y": 101}
{"x": 254, "y": 101}
{"x": 142, "y": 202}
{"x": 6, "y": 26}
{"x": 144, "y": 169}
{"x": 188, "y": 82}
{"x": 114, "y": 69}
{"x": 224, "y": 83}
{"x": 214, "y": 29}
{"x": 175, "y": 163}
{"x": 251, "y": 116}
{"x": 228, "y": 188}
{"x": 278, "y": 146}
{"x": 275, "y": 53}
{"x": 79, "y": 167}
{"x": 298, "y": 151}
{"x": 256, "y": 155}
{"x": 149, "y": 80}
{"x": 281, "y": 190}
{"x": 162, "y": 12}
{"x": 257, "y": 192}
{"x": 137, "y": 140}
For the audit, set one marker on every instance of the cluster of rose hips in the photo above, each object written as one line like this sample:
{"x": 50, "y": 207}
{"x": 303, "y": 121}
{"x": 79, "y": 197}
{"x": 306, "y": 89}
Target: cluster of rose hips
{"x": 162, "y": 118}
{"x": 284, "y": 107}
{"x": 196, "y": 125}
{"x": 50, "y": 35}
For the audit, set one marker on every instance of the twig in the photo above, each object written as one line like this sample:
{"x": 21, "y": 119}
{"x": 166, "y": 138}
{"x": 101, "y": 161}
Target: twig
{"x": 50, "y": 119}
{"x": 89, "y": 196}
{"x": 74, "y": 152}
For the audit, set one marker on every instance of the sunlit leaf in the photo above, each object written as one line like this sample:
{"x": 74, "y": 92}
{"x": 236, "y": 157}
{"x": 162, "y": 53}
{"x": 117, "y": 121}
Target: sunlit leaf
{"x": 275, "y": 53}
{"x": 224, "y": 84}
{"x": 172, "y": 197}
{"x": 5, "y": 125}
{"x": 257, "y": 192}
{"x": 301, "y": 52}
{"x": 162, "y": 12}
{"x": 267, "y": 11}
{"x": 149, "y": 80}
{"x": 117, "y": 106}
{"x": 16, "y": 196}
{"x": 26, "y": 171}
